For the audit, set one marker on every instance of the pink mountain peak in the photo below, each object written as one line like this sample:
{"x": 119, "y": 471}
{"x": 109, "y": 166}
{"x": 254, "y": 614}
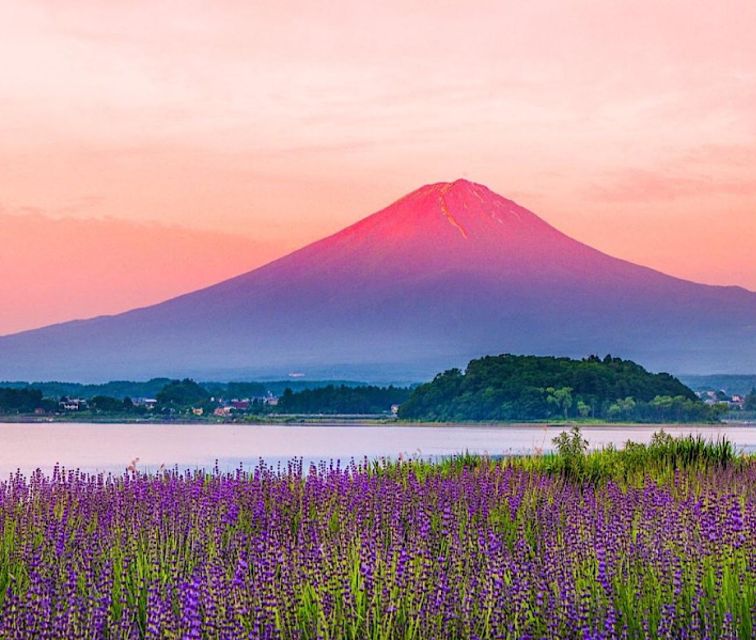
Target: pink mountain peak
{"x": 458, "y": 226}
{"x": 454, "y": 212}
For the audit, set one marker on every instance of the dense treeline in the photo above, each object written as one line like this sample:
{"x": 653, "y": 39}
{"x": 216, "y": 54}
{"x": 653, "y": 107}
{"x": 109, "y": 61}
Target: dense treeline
{"x": 342, "y": 399}
{"x": 330, "y": 399}
{"x": 20, "y": 400}
{"x": 492, "y": 388}
{"x": 115, "y": 389}
{"x": 510, "y": 387}
{"x": 122, "y": 389}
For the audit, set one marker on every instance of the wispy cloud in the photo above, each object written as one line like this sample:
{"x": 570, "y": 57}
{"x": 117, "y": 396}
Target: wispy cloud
{"x": 641, "y": 185}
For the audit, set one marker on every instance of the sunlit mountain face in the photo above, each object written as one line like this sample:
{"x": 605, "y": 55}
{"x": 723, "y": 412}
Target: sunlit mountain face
{"x": 449, "y": 272}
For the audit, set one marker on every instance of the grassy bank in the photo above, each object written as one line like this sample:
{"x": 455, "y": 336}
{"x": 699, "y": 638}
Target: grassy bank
{"x": 660, "y": 459}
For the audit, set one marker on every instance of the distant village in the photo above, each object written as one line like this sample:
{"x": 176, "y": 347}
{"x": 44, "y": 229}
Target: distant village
{"x": 223, "y": 407}
{"x": 735, "y": 402}
{"x": 172, "y": 399}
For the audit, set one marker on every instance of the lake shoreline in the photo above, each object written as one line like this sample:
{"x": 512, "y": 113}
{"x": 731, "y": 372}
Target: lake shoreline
{"x": 356, "y": 422}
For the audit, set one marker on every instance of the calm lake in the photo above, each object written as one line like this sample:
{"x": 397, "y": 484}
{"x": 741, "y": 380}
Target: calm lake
{"x": 111, "y": 447}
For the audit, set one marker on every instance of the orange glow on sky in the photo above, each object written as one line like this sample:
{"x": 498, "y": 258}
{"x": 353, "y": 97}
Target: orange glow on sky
{"x": 264, "y": 125}
{"x": 71, "y": 269}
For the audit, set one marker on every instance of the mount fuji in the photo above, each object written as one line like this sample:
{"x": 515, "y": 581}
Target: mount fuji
{"x": 449, "y": 272}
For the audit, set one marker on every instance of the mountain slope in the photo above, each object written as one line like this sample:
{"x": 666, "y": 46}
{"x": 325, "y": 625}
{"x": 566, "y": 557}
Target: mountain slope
{"x": 449, "y": 272}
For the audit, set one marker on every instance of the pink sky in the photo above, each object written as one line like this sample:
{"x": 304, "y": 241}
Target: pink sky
{"x": 264, "y": 125}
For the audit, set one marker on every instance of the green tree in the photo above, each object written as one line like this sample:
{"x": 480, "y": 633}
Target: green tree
{"x": 663, "y": 406}
{"x": 584, "y": 409}
{"x": 622, "y": 409}
{"x": 342, "y": 399}
{"x": 19, "y": 400}
{"x": 561, "y": 397}
{"x": 181, "y": 394}
{"x": 106, "y": 404}
{"x": 750, "y": 401}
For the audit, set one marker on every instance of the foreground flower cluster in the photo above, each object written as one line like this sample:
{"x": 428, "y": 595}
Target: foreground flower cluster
{"x": 404, "y": 551}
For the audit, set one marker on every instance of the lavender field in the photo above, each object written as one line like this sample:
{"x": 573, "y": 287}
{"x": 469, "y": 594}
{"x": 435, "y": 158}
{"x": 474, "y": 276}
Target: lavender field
{"x": 471, "y": 548}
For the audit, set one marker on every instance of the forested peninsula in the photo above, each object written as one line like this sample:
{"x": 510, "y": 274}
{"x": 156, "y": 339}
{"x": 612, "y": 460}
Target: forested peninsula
{"x": 512, "y": 387}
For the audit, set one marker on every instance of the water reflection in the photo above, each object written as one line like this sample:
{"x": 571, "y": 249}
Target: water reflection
{"x": 112, "y": 447}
